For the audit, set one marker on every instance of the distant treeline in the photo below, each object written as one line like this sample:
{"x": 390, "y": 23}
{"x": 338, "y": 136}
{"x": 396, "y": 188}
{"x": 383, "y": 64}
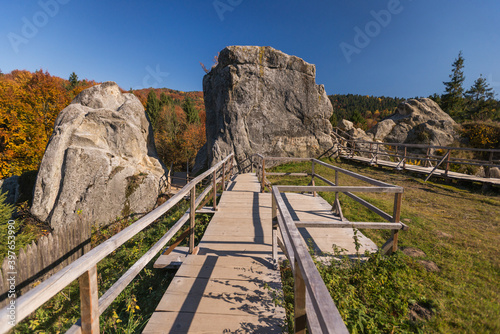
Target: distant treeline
{"x": 363, "y": 110}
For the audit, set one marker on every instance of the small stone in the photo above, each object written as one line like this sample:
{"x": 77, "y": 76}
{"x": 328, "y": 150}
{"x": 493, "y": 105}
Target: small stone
{"x": 429, "y": 266}
{"x": 441, "y": 234}
{"x": 413, "y": 252}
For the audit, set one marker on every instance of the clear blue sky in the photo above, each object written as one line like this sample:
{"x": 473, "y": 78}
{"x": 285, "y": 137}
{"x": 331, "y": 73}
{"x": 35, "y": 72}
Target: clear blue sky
{"x": 160, "y": 43}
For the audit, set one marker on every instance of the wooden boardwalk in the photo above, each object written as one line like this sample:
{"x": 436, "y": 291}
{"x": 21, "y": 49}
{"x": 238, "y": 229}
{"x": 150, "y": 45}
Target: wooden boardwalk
{"x": 227, "y": 287}
{"x": 426, "y": 170}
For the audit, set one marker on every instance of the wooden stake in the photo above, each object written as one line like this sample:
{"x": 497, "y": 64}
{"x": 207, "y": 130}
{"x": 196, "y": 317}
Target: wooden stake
{"x": 192, "y": 221}
{"x": 89, "y": 300}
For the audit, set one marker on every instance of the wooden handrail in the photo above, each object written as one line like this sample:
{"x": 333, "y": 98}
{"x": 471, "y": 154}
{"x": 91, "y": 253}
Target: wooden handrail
{"x": 308, "y": 281}
{"x": 313, "y": 304}
{"x": 36, "y": 297}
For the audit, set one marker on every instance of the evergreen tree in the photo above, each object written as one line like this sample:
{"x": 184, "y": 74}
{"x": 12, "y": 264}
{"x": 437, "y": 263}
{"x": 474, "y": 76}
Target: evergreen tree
{"x": 73, "y": 80}
{"x": 191, "y": 112}
{"x": 152, "y": 108}
{"x": 453, "y": 99}
{"x": 165, "y": 100}
{"x": 480, "y": 90}
{"x": 480, "y": 99}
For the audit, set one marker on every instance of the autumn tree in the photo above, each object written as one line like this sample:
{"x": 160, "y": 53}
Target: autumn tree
{"x": 29, "y": 105}
{"x": 453, "y": 99}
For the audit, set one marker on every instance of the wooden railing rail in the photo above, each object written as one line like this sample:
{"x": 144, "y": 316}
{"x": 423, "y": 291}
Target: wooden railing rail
{"x": 310, "y": 292}
{"x": 401, "y": 153}
{"x": 85, "y": 270}
{"x": 313, "y": 304}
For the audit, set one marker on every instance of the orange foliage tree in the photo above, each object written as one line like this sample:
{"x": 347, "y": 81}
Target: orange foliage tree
{"x": 29, "y": 105}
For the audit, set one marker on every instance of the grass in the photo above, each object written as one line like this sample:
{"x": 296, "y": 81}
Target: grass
{"x": 456, "y": 226}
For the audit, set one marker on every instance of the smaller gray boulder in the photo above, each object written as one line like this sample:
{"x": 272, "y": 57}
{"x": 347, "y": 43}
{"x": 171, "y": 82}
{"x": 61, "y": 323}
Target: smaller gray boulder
{"x": 417, "y": 121}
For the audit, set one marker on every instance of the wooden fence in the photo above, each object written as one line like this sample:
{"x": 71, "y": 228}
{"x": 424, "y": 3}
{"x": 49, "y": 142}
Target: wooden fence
{"x": 406, "y": 156}
{"x": 85, "y": 268}
{"x": 314, "y": 308}
{"x": 38, "y": 261}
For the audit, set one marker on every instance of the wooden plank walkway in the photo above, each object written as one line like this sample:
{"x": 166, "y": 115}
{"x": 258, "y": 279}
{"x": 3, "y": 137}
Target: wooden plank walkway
{"x": 223, "y": 288}
{"x": 426, "y": 170}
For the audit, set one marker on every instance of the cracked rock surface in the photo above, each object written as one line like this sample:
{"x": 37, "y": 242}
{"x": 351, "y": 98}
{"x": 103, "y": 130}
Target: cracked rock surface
{"x": 261, "y": 100}
{"x": 100, "y": 162}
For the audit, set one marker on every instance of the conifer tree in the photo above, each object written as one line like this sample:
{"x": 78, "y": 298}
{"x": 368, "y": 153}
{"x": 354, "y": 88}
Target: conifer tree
{"x": 480, "y": 99}
{"x": 453, "y": 99}
{"x": 191, "y": 112}
{"x": 152, "y": 108}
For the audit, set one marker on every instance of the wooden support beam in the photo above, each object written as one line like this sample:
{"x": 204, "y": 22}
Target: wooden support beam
{"x": 348, "y": 224}
{"x": 214, "y": 177}
{"x": 263, "y": 180}
{"x": 312, "y": 178}
{"x": 89, "y": 300}
{"x": 343, "y": 189}
{"x": 300, "y": 312}
{"x": 274, "y": 225}
{"x": 192, "y": 219}
{"x": 396, "y": 217}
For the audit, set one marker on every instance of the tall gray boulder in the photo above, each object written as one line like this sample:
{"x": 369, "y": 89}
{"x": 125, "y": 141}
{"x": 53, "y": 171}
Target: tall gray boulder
{"x": 417, "y": 121}
{"x": 260, "y": 100}
{"x": 100, "y": 162}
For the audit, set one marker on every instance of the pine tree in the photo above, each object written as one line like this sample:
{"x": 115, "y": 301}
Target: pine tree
{"x": 480, "y": 101}
{"x": 152, "y": 108}
{"x": 73, "y": 80}
{"x": 165, "y": 100}
{"x": 453, "y": 99}
{"x": 191, "y": 112}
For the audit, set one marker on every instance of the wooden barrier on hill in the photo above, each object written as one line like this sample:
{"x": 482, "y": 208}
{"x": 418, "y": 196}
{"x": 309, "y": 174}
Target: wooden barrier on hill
{"x": 38, "y": 261}
{"x": 314, "y": 308}
{"x": 404, "y": 156}
{"x": 84, "y": 268}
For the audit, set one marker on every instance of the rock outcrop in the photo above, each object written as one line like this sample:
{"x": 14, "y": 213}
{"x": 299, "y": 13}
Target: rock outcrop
{"x": 100, "y": 162}
{"x": 260, "y": 100}
{"x": 10, "y": 186}
{"x": 417, "y": 121}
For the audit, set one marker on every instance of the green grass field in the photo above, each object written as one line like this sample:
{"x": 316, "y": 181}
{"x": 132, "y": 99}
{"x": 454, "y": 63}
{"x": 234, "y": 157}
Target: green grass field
{"x": 456, "y": 226}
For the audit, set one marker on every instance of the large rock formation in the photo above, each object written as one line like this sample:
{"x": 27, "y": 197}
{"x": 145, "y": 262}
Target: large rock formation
{"x": 100, "y": 162}
{"x": 260, "y": 100}
{"x": 417, "y": 121}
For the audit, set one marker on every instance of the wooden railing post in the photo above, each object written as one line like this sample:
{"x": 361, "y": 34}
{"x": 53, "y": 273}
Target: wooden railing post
{"x": 192, "y": 221}
{"x": 447, "y": 163}
{"x": 487, "y": 170}
{"x": 263, "y": 180}
{"x": 404, "y": 159}
{"x": 396, "y": 218}
{"x": 427, "y": 157}
{"x": 312, "y": 179}
{"x": 274, "y": 223}
{"x": 376, "y": 155}
{"x": 89, "y": 300}
{"x": 223, "y": 177}
{"x": 214, "y": 184}
{"x": 300, "y": 314}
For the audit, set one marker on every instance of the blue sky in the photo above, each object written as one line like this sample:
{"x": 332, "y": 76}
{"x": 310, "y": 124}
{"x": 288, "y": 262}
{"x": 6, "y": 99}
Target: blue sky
{"x": 397, "y": 48}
